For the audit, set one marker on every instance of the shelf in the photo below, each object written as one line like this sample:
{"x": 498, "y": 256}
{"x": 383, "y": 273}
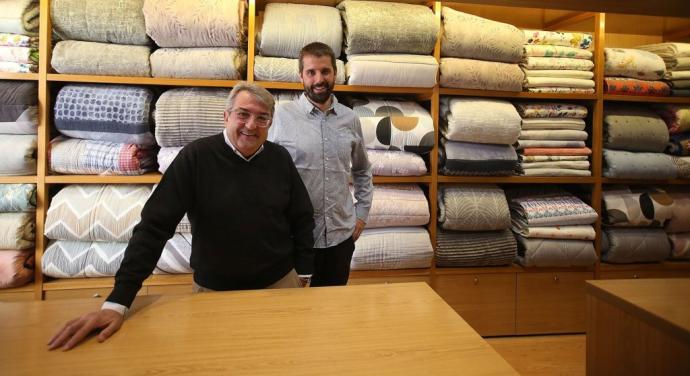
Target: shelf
{"x": 140, "y": 80}
{"x": 149, "y": 178}
{"x": 666, "y": 265}
{"x": 19, "y": 76}
{"x": 18, "y": 179}
{"x": 389, "y": 273}
{"x": 349, "y": 88}
{"x": 644, "y": 181}
{"x": 516, "y": 94}
{"x": 513, "y": 268}
{"x": 105, "y": 282}
{"x": 402, "y": 179}
{"x": 643, "y": 99}
{"x": 18, "y": 290}
{"x": 517, "y": 179}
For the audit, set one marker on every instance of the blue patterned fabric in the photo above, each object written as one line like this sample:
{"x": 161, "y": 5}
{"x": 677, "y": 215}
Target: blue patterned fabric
{"x": 17, "y": 197}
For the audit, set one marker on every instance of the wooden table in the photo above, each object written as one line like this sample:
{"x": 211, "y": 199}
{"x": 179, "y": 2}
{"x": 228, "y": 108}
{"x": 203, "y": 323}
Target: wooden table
{"x": 638, "y": 327}
{"x": 392, "y": 329}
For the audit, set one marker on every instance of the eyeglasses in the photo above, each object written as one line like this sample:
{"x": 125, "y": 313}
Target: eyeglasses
{"x": 261, "y": 121}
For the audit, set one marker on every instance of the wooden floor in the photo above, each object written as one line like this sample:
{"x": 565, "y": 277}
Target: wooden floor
{"x": 543, "y": 355}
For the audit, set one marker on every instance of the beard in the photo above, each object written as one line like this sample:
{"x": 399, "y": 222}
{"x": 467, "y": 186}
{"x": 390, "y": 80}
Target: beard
{"x": 320, "y": 97}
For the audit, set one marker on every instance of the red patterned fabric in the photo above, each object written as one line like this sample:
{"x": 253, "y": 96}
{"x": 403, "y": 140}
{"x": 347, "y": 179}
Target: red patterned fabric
{"x": 631, "y": 86}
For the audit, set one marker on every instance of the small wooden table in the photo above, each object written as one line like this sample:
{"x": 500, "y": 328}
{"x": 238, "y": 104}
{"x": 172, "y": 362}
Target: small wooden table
{"x": 638, "y": 327}
{"x": 392, "y": 329}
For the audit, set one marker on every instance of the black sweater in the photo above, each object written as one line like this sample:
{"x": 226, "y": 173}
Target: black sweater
{"x": 252, "y": 222}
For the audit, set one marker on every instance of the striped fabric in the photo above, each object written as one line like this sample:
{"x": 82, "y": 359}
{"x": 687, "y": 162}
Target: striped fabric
{"x": 486, "y": 248}
{"x": 552, "y": 209}
{"x": 74, "y": 156}
{"x": 186, "y": 114}
{"x": 392, "y": 248}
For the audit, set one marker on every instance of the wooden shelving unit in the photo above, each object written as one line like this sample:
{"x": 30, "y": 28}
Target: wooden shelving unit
{"x": 472, "y": 291}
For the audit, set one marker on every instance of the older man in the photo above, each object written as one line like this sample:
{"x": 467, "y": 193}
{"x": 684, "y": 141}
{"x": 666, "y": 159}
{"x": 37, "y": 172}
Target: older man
{"x": 251, "y": 216}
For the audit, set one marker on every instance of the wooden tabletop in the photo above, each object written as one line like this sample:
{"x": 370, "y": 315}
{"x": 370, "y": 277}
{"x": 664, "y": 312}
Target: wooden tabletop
{"x": 664, "y": 303}
{"x": 391, "y": 329}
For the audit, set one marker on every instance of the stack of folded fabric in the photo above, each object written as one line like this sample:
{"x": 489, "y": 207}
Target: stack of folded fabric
{"x": 18, "y": 127}
{"x": 556, "y": 62}
{"x": 393, "y": 238}
{"x": 634, "y": 140}
{"x": 111, "y": 130}
{"x": 199, "y": 39}
{"x": 479, "y": 53}
{"x": 285, "y": 30}
{"x": 395, "y": 133}
{"x": 389, "y": 44}
{"x": 186, "y": 114}
{"x": 475, "y": 227}
{"x": 634, "y": 72}
{"x": 678, "y": 227}
{"x": 105, "y": 38}
{"x": 557, "y": 130}
{"x": 677, "y": 118}
{"x": 677, "y": 59}
{"x": 478, "y": 135}
{"x": 17, "y": 224}
{"x": 553, "y": 228}
{"x": 19, "y": 23}
{"x": 634, "y": 223}
{"x": 89, "y": 227}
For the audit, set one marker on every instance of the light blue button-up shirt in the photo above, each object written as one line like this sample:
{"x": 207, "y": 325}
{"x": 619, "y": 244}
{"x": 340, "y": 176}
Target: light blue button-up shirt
{"x": 328, "y": 149}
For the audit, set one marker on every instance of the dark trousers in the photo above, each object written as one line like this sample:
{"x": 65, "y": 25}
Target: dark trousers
{"x": 332, "y": 264}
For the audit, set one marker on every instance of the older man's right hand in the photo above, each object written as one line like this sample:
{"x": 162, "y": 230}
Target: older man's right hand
{"x": 74, "y": 331}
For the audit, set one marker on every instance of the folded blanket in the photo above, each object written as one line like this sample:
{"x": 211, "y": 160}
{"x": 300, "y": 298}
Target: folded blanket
{"x": 680, "y": 92}
{"x": 395, "y": 125}
{"x": 625, "y": 207}
{"x": 680, "y": 246}
{"x": 19, "y": 155}
{"x": 74, "y": 259}
{"x": 18, "y": 40}
{"x": 557, "y": 63}
{"x": 555, "y": 252}
{"x": 103, "y": 59}
{"x": 391, "y": 70}
{"x": 17, "y": 197}
{"x": 381, "y": 27}
{"x": 185, "y": 114}
{"x": 180, "y": 23}
{"x": 676, "y": 55}
{"x": 562, "y": 90}
{"x": 287, "y": 70}
{"x": 530, "y": 144}
{"x": 16, "y": 268}
{"x": 165, "y": 157}
{"x": 629, "y": 245}
{"x": 632, "y": 63}
{"x": 19, "y": 16}
{"x": 535, "y": 82}
{"x": 679, "y": 144}
{"x": 556, "y": 172}
{"x": 559, "y": 73}
{"x": 682, "y": 166}
{"x": 550, "y": 110}
{"x": 547, "y": 50}
{"x": 557, "y": 151}
{"x": 580, "y": 232}
{"x": 211, "y": 63}
{"x": 549, "y": 209}
{"x": 680, "y": 84}
{"x": 23, "y": 55}
{"x": 92, "y": 212}
{"x": 634, "y": 128}
{"x": 677, "y": 117}
{"x": 551, "y": 158}
{"x": 75, "y": 156}
{"x": 288, "y": 27}
{"x": 680, "y": 219}
{"x": 17, "y": 230}
{"x": 626, "y": 165}
{"x": 398, "y": 205}
{"x": 473, "y": 208}
{"x": 464, "y": 158}
{"x": 483, "y": 248}
{"x": 120, "y": 22}
{"x": 11, "y": 67}
{"x": 677, "y": 75}
{"x": 550, "y": 122}
{"x": 557, "y": 134}
{"x": 484, "y": 75}
{"x": 18, "y": 107}
{"x": 575, "y": 165}
{"x": 556, "y": 38}
{"x": 111, "y": 113}
{"x": 631, "y": 86}
{"x": 392, "y": 248}
{"x": 480, "y": 120}
{"x": 394, "y": 163}
{"x": 471, "y": 37}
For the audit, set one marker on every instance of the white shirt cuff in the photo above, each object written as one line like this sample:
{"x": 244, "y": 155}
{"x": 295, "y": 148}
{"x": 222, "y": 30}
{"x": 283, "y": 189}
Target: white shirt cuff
{"x": 119, "y": 308}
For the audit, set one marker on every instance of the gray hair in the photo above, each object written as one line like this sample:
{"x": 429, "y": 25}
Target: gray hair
{"x": 259, "y": 93}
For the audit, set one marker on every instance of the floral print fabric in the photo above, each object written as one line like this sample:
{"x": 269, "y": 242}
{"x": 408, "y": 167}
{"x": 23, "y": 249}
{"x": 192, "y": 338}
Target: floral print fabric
{"x": 542, "y": 37}
{"x": 553, "y": 109}
{"x": 632, "y": 63}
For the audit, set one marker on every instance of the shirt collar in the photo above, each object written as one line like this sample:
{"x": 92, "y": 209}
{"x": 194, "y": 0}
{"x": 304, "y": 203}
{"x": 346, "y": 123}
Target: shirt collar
{"x": 234, "y": 149}
{"x": 309, "y": 107}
